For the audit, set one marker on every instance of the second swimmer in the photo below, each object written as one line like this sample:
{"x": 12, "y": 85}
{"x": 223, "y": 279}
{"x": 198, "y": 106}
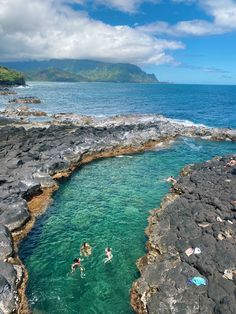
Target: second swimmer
{"x": 85, "y": 249}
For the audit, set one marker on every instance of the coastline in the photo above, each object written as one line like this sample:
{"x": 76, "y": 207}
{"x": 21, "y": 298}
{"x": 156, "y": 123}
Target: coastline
{"x": 38, "y": 173}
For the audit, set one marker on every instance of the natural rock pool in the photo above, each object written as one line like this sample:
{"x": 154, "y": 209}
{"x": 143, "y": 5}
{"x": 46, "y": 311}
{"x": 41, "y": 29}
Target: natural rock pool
{"x": 105, "y": 203}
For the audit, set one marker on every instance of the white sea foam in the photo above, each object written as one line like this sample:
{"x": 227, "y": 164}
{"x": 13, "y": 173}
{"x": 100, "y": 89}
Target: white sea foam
{"x": 188, "y": 123}
{"x": 22, "y": 86}
{"x": 124, "y": 156}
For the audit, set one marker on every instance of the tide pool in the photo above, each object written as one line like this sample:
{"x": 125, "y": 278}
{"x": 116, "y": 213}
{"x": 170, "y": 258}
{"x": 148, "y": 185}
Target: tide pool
{"x": 105, "y": 203}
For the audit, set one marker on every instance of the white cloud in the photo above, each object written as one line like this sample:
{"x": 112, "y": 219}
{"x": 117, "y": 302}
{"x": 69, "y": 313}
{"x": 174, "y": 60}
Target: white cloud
{"x": 223, "y": 13}
{"x": 50, "y": 29}
{"x": 129, "y": 6}
{"x": 183, "y": 28}
{"x": 122, "y": 5}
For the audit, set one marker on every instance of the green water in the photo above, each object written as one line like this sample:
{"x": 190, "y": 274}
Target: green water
{"x": 105, "y": 203}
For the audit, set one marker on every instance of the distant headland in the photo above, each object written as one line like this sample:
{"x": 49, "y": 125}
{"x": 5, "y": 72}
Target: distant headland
{"x": 10, "y": 77}
{"x": 70, "y": 70}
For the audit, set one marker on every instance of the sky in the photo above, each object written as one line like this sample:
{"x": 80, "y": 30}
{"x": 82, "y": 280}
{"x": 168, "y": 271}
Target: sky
{"x": 181, "y": 41}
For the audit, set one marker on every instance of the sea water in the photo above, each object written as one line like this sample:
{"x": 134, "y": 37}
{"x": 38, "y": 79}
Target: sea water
{"x": 107, "y": 202}
{"x": 204, "y": 104}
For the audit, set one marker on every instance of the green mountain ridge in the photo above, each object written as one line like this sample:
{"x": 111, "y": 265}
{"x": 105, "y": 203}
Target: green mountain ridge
{"x": 9, "y": 77}
{"x": 82, "y": 71}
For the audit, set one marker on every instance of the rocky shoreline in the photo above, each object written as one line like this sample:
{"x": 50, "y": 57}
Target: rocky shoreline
{"x": 34, "y": 156}
{"x": 192, "y": 235}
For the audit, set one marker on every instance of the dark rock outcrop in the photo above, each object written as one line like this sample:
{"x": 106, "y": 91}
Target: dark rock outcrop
{"x": 200, "y": 213}
{"x": 25, "y": 100}
{"x": 14, "y": 214}
{"x": 4, "y": 91}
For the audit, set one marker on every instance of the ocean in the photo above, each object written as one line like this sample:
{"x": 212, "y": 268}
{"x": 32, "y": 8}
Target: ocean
{"x": 202, "y": 104}
{"x": 107, "y": 202}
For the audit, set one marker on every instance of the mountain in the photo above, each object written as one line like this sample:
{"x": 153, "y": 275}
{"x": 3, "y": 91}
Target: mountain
{"x": 10, "y": 77}
{"x": 82, "y": 71}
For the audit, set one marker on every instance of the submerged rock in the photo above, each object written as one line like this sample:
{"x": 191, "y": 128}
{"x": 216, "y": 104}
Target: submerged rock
{"x": 200, "y": 213}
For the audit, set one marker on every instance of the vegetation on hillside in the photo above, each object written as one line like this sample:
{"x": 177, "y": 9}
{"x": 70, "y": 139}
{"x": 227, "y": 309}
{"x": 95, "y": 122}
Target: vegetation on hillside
{"x": 52, "y": 74}
{"x": 11, "y": 77}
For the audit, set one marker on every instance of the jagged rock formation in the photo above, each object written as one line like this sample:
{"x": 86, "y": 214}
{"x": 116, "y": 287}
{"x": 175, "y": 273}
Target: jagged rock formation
{"x": 32, "y": 158}
{"x": 200, "y": 213}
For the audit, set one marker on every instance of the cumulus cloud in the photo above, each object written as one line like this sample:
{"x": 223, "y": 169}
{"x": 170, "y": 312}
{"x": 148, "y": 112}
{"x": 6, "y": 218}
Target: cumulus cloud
{"x": 224, "y": 12}
{"x": 51, "y": 29}
{"x": 223, "y": 15}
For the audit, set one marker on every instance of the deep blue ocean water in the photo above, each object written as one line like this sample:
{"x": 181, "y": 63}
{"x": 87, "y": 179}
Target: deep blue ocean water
{"x": 107, "y": 202}
{"x": 204, "y": 104}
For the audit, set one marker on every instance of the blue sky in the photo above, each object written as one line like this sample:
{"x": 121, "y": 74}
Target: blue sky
{"x": 182, "y": 41}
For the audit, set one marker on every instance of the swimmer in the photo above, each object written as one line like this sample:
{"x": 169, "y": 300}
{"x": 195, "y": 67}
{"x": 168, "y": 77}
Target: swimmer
{"x": 76, "y": 264}
{"x": 171, "y": 179}
{"x": 108, "y": 254}
{"x": 86, "y": 249}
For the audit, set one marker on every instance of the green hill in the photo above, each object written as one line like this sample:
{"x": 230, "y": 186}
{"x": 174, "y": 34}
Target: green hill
{"x": 10, "y": 77}
{"x": 52, "y": 74}
{"x": 82, "y": 71}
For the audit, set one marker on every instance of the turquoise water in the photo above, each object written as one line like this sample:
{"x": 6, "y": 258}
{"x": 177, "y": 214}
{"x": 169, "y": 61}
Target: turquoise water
{"x": 207, "y": 104}
{"x": 105, "y": 203}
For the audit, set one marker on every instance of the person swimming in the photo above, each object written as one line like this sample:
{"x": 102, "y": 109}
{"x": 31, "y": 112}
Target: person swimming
{"x": 86, "y": 249}
{"x": 108, "y": 254}
{"x": 76, "y": 264}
